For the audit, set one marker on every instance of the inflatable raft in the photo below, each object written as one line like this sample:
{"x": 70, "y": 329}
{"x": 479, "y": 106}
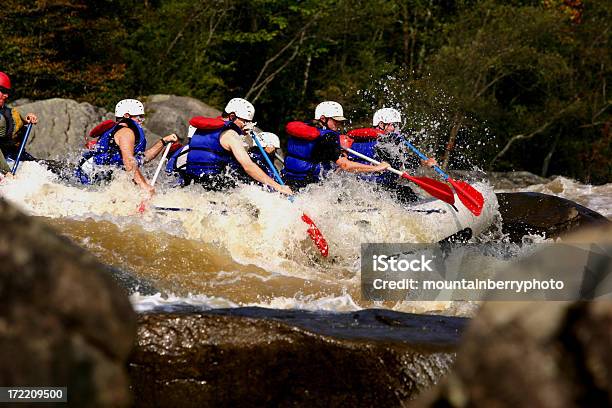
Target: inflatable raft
{"x": 432, "y": 220}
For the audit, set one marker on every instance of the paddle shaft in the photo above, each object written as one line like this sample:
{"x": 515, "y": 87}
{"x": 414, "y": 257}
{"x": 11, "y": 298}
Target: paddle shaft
{"x": 371, "y": 160}
{"x": 22, "y": 148}
{"x": 435, "y": 188}
{"x": 161, "y": 163}
{"x": 469, "y": 196}
{"x": 277, "y": 176}
{"x": 313, "y": 231}
{"x": 143, "y": 204}
{"x": 423, "y": 157}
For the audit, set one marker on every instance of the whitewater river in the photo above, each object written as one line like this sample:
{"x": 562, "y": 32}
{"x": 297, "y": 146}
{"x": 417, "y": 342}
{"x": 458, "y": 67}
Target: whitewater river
{"x": 248, "y": 248}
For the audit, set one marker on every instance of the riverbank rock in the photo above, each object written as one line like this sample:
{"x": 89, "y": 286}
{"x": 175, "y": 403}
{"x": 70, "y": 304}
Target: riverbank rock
{"x": 537, "y": 354}
{"x": 255, "y": 357}
{"x": 542, "y": 214}
{"x": 63, "y": 321}
{"x": 514, "y": 179}
{"x": 170, "y": 114}
{"x": 62, "y": 126}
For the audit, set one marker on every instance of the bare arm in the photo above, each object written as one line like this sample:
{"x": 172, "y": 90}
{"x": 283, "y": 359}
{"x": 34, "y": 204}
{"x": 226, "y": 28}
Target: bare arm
{"x": 154, "y": 150}
{"x": 231, "y": 142}
{"x": 354, "y": 167}
{"x": 125, "y": 139}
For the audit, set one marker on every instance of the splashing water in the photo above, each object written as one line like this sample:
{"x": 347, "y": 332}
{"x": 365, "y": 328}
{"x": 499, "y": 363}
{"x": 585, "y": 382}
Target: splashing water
{"x": 244, "y": 248}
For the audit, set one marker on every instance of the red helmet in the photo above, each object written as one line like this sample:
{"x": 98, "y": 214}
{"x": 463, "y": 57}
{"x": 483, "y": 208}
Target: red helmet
{"x": 5, "y": 81}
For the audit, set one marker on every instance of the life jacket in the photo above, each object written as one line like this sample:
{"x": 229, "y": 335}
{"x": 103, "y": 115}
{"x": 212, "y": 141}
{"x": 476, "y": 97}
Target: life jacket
{"x": 364, "y": 140}
{"x": 300, "y": 163}
{"x": 107, "y": 153}
{"x": 92, "y": 138}
{"x": 204, "y": 154}
{"x": 13, "y": 125}
{"x": 261, "y": 161}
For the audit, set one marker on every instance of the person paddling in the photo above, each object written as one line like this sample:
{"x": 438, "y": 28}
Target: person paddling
{"x": 216, "y": 146}
{"x": 270, "y": 142}
{"x": 313, "y": 148}
{"x": 11, "y": 126}
{"x": 124, "y": 146}
{"x": 374, "y": 142}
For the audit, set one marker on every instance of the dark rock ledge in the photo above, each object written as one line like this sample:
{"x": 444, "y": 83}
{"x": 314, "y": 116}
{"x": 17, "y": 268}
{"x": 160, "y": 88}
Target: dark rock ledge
{"x": 260, "y": 357}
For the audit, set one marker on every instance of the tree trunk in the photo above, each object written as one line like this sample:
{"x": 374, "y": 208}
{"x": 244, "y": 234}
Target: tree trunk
{"x": 450, "y": 145}
{"x": 546, "y": 161}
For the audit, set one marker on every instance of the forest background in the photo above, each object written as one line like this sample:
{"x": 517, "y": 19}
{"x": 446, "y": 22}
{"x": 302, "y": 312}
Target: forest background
{"x": 504, "y": 85}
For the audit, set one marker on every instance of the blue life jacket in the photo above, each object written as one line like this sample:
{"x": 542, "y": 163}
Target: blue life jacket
{"x": 300, "y": 163}
{"x": 364, "y": 141}
{"x": 107, "y": 153}
{"x": 259, "y": 160}
{"x": 205, "y": 154}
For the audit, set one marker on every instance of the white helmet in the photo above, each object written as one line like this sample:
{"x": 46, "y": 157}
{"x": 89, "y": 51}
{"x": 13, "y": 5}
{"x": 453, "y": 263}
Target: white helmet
{"x": 329, "y": 109}
{"x": 269, "y": 139}
{"x": 386, "y": 115}
{"x": 241, "y": 108}
{"x": 131, "y": 106}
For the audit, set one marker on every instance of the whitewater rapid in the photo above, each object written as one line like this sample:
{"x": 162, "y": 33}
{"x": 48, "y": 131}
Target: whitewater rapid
{"x": 250, "y": 247}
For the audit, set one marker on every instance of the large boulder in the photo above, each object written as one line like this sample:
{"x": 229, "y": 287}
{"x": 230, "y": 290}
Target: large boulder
{"x": 62, "y": 126}
{"x": 170, "y": 114}
{"x": 543, "y": 214}
{"x": 537, "y": 354}
{"x": 64, "y": 321}
{"x": 244, "y": 357}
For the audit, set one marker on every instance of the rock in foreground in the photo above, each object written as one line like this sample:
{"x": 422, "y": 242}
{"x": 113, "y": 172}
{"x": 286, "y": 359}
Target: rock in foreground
{"x": 215, "y": 359}
{"x": 542, "y": 214}
{"x": 64, "y": 322}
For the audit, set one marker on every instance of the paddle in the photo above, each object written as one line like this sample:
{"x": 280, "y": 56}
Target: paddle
{"x": 314, "y": 232}
{"x": 435, "y": 188}
{"x": 22, "y": 148}
{"x": 143, "y": 204}
{"x": 158, "y": 208}
{"x": 469, "y": 196}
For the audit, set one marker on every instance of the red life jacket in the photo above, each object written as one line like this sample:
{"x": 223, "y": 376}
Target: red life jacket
{"x": 98, "y": 131}
{"x": 365, "y": 133}
{"x": 302, "y": 130}
{"x": 364, "y": 141}
{"x": 202, "y": 123}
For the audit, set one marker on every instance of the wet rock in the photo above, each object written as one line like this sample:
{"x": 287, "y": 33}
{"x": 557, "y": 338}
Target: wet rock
{"x": 254, "y": 357}
{"x": 514, "y": 179}
{"x": 63, "y": 320}
{"x": 62, "y": 126}
{"x": 170, "y": 114}
{"x": 542, "y": 214}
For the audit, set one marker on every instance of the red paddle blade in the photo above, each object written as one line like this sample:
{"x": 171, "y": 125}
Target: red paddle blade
{"x": 434, "y": 187}
{"x": 469, "y": 196}
{"x": 142, "y": 206}
{"x": 316, "y": 235}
